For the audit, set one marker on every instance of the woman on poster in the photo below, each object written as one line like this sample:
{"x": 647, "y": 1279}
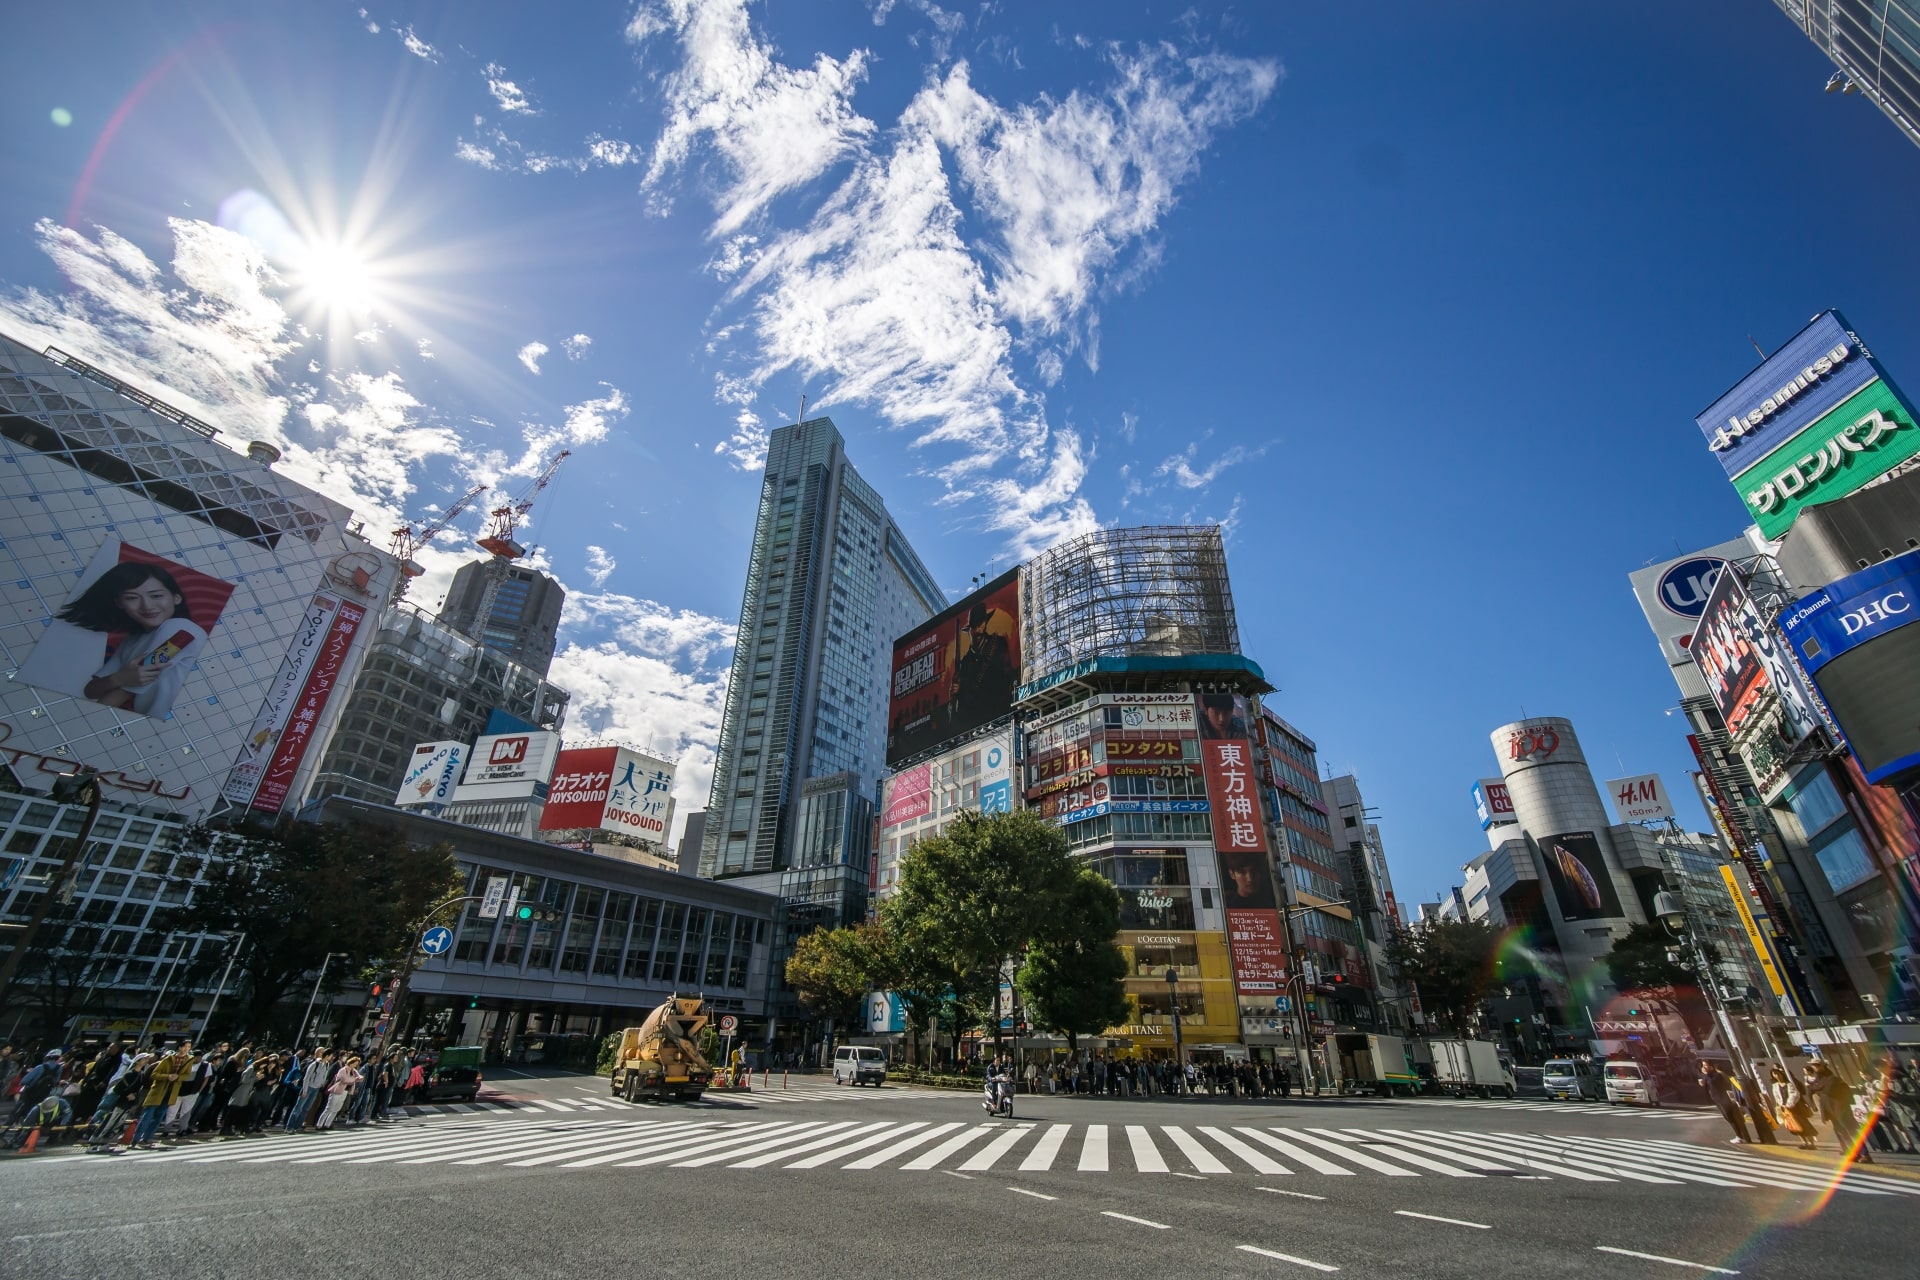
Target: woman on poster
{"x": 144, "y": 604}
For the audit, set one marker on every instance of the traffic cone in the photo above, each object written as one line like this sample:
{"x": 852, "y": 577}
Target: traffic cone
{"x": 32, "y": 1142}
{"x": 126, "y": 1139}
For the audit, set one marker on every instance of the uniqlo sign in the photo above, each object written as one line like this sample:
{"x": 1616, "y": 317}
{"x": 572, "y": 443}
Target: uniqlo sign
{"x": 1234, "y": 795}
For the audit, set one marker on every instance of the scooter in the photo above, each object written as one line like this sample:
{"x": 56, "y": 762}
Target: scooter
{"x": 999, "y": 1100}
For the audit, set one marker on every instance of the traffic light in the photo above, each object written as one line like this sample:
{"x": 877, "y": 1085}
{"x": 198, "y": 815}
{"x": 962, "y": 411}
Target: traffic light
{"x": 373, "y": 990}
{"x": 525, "y": 913}
{"x": 473, "y": 1002}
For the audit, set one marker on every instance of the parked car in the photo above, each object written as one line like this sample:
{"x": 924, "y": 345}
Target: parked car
{"x": 1572, "y": 1079}
{"x": 454, "y": 1075}
{"x": 1630, "y": 1082}
{"x": 859, "y": 1064}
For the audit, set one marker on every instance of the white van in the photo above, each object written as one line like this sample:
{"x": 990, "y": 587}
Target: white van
{"x": 1629, "y": 1082}
{"x": 1574, "y": 1079}
{"x": 859, "y": 1064}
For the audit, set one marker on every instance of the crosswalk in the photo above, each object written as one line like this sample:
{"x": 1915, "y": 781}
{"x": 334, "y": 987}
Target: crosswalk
{"x": 1570, "y": 1108}
{"x": 810, "y": 1091}
{"x": 1192, "y": 1150}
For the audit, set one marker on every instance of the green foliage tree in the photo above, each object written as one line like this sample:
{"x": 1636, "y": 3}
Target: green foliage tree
{"x": 1639, "y": 963}
{"x": 1073, "y": 975}
{"x": 831, "y": 969}
{"x": 1451, "y": 963}
{"x": 303, "y": 889}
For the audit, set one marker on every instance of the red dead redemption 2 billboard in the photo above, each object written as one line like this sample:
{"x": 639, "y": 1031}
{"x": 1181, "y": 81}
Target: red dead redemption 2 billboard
{"x": 956, "y": 672}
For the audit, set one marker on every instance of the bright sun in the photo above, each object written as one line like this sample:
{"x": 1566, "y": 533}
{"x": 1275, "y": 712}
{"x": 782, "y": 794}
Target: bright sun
{"x": 336, "y": 277}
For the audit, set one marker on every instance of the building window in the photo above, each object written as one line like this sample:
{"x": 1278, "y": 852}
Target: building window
{"x": 1816, "y": 802}
{"x": 1845, "y": 860}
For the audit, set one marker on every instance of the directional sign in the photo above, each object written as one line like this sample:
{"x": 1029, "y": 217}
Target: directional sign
{"x": 490, "y": 904}
{"x": 1281, "y": 1004}
{"x": 513, "y": 901}
{"x": 437, "y": 941}
{"x": 729, "y": 1024}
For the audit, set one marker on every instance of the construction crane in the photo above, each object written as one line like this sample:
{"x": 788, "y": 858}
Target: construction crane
{"x": 499, "y": 542}
{"x": 406, "y": 542}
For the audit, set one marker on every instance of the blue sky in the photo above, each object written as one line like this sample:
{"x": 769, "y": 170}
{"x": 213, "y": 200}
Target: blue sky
{"x": 1419, "y": 299}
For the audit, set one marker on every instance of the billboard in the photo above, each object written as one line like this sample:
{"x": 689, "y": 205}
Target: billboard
{"x": 1493, "y": 803}
{"x": 1810, "y": 376}
{"x": 309, "y": 710}
{"x": 1578, "y": 873}
{"x": 1742, "y": 661}
{"x": 1862, "y": 440}
{"x": 1853, "y": 637}
{"x": 1254, "y": 934}
{"x": 130, "y": 632}
{"x": 907, "y": 796}
{"x": 277, "y": 710}
{"x": 957, "y": 671}
{"x": 1641, "y": 798}
{"x": 1673, "y": 594}
{"x": 509, "y": 766}
{"x": 609, "y": 788}
{"x": 433, "y": 771}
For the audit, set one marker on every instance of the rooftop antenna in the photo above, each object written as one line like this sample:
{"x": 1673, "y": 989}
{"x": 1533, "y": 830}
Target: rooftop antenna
{"x": 1756, "y": 347}
{"x": 803, "y": 410}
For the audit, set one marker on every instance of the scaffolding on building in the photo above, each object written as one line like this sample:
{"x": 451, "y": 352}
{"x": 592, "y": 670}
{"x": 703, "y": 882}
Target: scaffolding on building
{"x": 1153, "y": 591}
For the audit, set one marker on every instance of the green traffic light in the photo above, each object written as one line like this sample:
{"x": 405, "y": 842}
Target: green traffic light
{"x": 526, "y": 913}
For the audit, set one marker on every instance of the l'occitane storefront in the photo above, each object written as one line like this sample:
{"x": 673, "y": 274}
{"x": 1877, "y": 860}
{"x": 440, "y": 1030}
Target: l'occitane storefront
{"x": 1209, "y": 1014}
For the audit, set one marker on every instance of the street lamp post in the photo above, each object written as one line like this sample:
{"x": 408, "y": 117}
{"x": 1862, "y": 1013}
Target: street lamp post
{"x": 400, "y": 992}
{"x": 1179, "y": 1046}
{"x": 1669, "y": 911}
{"x": 79, "y": 787}
{"x": 221, "y": 990}
{"x": 324, "y": 964}
{"x": 165, "y": 982}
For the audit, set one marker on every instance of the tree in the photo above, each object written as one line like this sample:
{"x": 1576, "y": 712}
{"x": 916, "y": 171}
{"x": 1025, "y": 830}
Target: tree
{"x": 1451, "y": 963}
{"x": 831, "y": 969}
{"x": 972, "y": 900}
{"x": 305, "y": 889}
{"x": 1073, "y": 977}
{"x": 1639, "y": 963}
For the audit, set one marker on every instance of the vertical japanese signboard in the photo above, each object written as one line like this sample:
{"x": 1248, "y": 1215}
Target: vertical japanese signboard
{"x": 315, "y": 693}
{"x": 1254, "y": 934}
{"x": 277, "y": 710}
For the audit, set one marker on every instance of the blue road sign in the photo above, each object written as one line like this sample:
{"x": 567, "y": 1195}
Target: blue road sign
{"x": 1281, "y": 1004}
{"x": 437, "y": 941}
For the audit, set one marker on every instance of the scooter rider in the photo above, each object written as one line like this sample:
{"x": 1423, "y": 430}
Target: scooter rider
{"x": 999, "y": 1086}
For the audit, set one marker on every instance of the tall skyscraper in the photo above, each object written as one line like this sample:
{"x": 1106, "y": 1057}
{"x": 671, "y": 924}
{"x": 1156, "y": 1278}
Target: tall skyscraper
{"x": 830, "y": 582}
{"x": 1877, "y": 48}
{"x": 523, "y": 619}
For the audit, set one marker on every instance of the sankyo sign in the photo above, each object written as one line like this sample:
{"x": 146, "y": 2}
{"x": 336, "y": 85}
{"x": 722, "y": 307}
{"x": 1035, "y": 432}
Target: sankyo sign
{"x": 1862, "y": 439}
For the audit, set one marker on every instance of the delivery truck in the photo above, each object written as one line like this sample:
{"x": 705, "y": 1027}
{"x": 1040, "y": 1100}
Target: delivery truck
{"x": 1462, "y": 1067}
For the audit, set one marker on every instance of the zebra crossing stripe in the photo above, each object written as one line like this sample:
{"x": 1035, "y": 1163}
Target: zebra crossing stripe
{"x": 721, "y": 1142}
{"x": 928, "y": 1159}
{"x": 1044, "y": 1152}
{"x": 536, "y": 1156}
{"x": 445, "y": 1144}
{"x": 785, "y": 1141}
{"x": 629, "y": 1149}
{"x": 1395, "y": 1143}
{"x": 1346, "y": 1152}
{"x": 1201, "y": 1158}
{"x": 1255, "y": 1161}
{"x": 1093, "y": 1150}
{"x": 1518, "y": 1153}
{"x": 903, "y": 1146}
{"x": 983, "y": 1160}
{"x": 1146, "y": 1156}
{"x": 888, "y": 1130}
{"x": 1854, "y": 1174}
{"x": 1624, "y": 1163}
{"x": 1727, "y": 1170}
{"x": 525, "y": 1154}
{"x": 813, "y": 1142}
{"x": 1307, "y": 1158}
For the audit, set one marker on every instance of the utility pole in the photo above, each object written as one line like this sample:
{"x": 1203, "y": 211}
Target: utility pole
{"x": 413, "y": 962}
{"x": 82, "y": 786}
{"x": 302, "y": 1037}
{"x": 221, "y": 990}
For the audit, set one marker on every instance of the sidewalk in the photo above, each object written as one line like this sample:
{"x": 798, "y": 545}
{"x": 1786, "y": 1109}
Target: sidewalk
{"x": 1891, "y": 1163}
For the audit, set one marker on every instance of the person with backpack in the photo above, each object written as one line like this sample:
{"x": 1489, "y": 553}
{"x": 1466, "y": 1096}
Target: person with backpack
{"x": 36, "y": 1084}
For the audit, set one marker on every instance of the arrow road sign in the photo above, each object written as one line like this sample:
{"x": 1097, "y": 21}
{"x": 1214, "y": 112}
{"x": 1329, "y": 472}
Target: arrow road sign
{"x": 437, "y": 941}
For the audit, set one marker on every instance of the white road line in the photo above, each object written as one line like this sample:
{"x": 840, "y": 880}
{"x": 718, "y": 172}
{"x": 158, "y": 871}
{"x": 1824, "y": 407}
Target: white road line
{"x": 551, "y": 1105}
{"x": 982, "y": 1160}
{"x": 627, "y": 1149}
{"x": 928, "y": 1159}
{"x": 713, "y": 1143}
{"x": 568, "y": 1145}
{"x": 1203, "y": 1160}
{"x": 1347, "y": 1152}
{"x": 844, "y": 1149}
{"x": 1392, "y": 1141}
{"x": 1301, "y": 1195}
{"x": 885, "y": 1154}
{"x": 598, "y": 1143}
{"x": 1257, "y": 1162}
{"x": 1022, "y": 1191}
{"x": 1740, "y": 1170}
{"x": 1287, "y": 1257}
{"x": 1634, "y": 1166}
{"x": 1854, "y": 1180}
{"x": 1127, "y": 1217}
{"x": 1093, "y": 1150}
{"x": 1672, "y": 1262}
{"x": 1307, "y": 1158}
{"x": 1146, "y": 1156}
{"x": 835, "y": 1140}
{"x": 1434, "y": 1217}
{"x": 785, "y": 1141}
{"x": 1408, "y": 1157}
{"x": 953, "y": 1173}
{"x": 1041, "y": 1158}
{"x": 1516, "y": 1149}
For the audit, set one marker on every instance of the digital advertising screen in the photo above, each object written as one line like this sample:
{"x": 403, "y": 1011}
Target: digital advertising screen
{"x": 1577, "y": 869}
{"x": 957, "y": 671}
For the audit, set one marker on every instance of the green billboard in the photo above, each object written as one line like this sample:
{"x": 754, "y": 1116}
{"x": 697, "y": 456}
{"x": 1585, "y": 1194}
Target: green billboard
{"x": 1860, "y": 440}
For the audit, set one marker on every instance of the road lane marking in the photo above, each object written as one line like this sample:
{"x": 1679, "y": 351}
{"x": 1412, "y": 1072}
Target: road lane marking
{"x": 1257, "y": 1162}
{"x": 1434, "y": 1217}
{"x": 964, "y": 1176}
{"x": 1203, "y": 1160}
{"x": 1044, "y": 1152}
{"x": 1298, "y": 1194}
{"x": 1127, "y": 1217}
{"x": 1347, "y": 1152}
{"x": 888, "y": 1132}
{"x": 1306, "y": 1158}
{"x": 983, "y": 1159}
{"x": 929, "y": 1159}
{"x": 903, "y": 1146}
{"x": 1146, "y": 1156}
{"x": 1452, "y": 1155}
{"x": 1022, "y": 1191}
{"x": 1093, "y": 1150}
{"x": 787, "y": 1143}
{"x": 1672, "y": 1262}
{"x": 1287, "y": 1257}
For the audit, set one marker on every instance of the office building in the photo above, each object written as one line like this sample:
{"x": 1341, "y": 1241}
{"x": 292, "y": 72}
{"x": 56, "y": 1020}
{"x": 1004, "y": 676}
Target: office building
{"x": 1876, "y": 47}
{"x": 522, "y": 620}
{"x": 424, "y": 681}
{"x": 1368, "y": 889}
{"x": 831, "y": 580}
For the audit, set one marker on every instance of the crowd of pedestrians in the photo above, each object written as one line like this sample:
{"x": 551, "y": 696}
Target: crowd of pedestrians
{"x": 1130, "y": 1078}
{"x": 172, "y": 1092}
{"x": 1885, "y": 1105}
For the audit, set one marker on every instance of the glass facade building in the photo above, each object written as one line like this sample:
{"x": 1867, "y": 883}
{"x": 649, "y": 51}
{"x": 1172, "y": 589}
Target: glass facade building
{"x": 523, "y": 621}
{"x": 831, "y": 582}
{"x": 1876, "y": 45}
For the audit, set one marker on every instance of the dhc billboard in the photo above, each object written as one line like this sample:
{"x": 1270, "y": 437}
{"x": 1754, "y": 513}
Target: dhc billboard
{"x": 1855, "y": 639}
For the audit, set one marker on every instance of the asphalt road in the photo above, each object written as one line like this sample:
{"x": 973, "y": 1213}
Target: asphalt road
{"x": 817, "y": 1181}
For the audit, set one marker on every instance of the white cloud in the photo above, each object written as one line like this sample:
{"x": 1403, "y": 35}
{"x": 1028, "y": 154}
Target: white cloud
{"x": 772, "y": 127}
{"x": 1180, "y": 465}
{"x": 425, "y": 347}
{"x": 576, "y": 346}
{"x": 530, "y": 354}
{"x": 417, "y": 47}
{"x": 600, "y": 565}
{"x": 507, "y": 95}
{"x": 475, "y": 154}
{"x": 960, "y": 259}
{"x": 746, "y": 448}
